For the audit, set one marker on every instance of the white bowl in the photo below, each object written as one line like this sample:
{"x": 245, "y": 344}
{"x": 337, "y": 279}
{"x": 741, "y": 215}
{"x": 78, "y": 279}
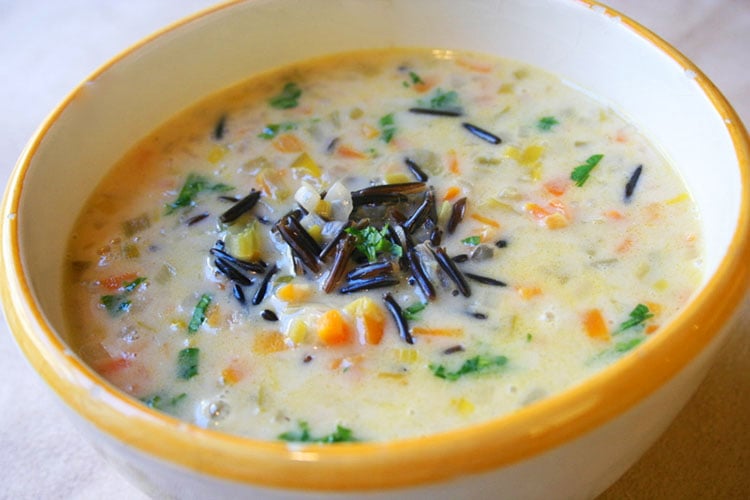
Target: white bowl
{"x": 571, "y": 445}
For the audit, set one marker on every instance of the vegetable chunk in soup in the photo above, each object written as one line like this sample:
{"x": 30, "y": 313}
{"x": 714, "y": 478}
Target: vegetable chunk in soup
{"x": 378, "y": 245}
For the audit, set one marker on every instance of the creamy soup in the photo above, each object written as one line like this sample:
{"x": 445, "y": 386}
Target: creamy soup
{"x": 378, "y": 245}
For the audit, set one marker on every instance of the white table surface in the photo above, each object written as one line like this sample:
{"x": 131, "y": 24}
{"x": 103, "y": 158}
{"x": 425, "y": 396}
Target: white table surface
{"x": 48, "y": 46}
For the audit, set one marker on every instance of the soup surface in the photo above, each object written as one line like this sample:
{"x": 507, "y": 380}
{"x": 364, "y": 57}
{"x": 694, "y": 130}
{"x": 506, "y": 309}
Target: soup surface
{"x": 378, "y": 245}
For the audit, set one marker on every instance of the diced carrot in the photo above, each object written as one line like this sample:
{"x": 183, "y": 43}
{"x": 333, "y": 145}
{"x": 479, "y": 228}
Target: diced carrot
{"x": 230, "y": 376}
{"x": 268, "y": 342}
{"x": 626, "y": 245}
{"x": 288, "y": 143}
{"x": 528, "y": 292}
{"x": 557, "y": 187}
{"x": 614, "y": 215}
{"x": 437, "y": 332}
{"x": 293, "y": 293}
{"x": 485, "y": 220}
{"x": 453, "y": 163}
{"x": 621, "y": 136}
{"x": 425, "y": 85}
{"x": 370, "y": 329}
{"x": 369, "y": 320}
{"x": 333, "y": 328}
{"x": 536, "y": 211}
{"x": 452, "y": 192}
{"x": 115, "y": 282}
{"x": 651, "y": 329}
{"x": 350, "y": 152}
{"x": 595, "y": 325}
{"x": 213, "y": 316}
{"x": 473, "y": 65}
{"x": 110, "y": 366}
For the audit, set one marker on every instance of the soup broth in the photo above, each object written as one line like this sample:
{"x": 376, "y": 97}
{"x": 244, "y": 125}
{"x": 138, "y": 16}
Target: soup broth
{"x": 378, "y": 245}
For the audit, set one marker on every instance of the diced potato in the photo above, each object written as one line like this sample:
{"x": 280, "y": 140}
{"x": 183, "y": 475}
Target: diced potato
{"x": 297, "y": 331}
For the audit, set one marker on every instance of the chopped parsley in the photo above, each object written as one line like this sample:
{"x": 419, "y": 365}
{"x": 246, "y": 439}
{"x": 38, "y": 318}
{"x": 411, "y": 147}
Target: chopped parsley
{"x": 370, "y": 242}
{"x": 546, "y": 123}
{"x": 637, "y": 316}
{"x": 287, "y": 98}
{"x": 187, "y": 363}
{"x": 581, "y": 173}
{"x": 443, "y": 101}
{"x": 303, "y": 435}
{"x": 471, "y": 241}
{"x": 273, "y": 129}
{"x": 412, "y": 312}
{"x": 387, "y": 127}
{"x": 414, "y": 79}
{"x": 120, "y": 303}
{"x": 194, "y": 184}
{"x": 199, "y": 313}
{"x": 626, "y": 345}
{"x": 477, "y": 364}
{"x": 165, "y": 404}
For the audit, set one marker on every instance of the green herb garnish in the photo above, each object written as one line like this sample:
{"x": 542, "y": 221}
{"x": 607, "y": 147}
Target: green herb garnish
{"x": 387, "y": 127}
{"x": 199, "y": 313}
{"x": 187, "y": 363}
{"x": 472, "y": 241}
{"x": 115, "y": 304}
{"x": 120, "y": 303}
{"x": 441, "y": 100}
{"x": 370, "y": 242}
{"x": 273, "y": 129}
{"x": 627, "y": 345}
{"x": 287, "y": 98}
{"x": 302, "y": 435}
{"x": 477, "y": 364}
{"x": 581, "y": 173}
{"x": 165, "y": 404}
{"x": 546, "y": 123}
{"x": 412, "y": 312}
{"x": 414, "y": 79}
{"x": 193, "y": 185}
{"x": 637, "y": 316}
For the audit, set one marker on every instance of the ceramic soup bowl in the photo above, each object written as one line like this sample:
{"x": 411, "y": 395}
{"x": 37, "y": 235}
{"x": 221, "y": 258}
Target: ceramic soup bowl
{"x": 570, "y": 445}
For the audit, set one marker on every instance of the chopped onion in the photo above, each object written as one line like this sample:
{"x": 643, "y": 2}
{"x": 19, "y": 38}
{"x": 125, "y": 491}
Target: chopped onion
{"x": 340, "y": 199}
{"x": 308, "y": 197}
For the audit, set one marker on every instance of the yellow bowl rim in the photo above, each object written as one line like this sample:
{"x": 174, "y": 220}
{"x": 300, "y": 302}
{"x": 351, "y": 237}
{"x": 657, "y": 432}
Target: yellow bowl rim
{"x": 376, "y": 466}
